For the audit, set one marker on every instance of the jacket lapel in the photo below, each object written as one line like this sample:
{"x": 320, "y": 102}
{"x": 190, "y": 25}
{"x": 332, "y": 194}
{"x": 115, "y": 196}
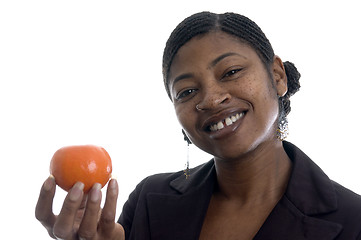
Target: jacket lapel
{"x": 309, "y": 188}
{"x": 186, "y": 209}
{"x": 310, "y": 193}
{"x": 287, "y": 222}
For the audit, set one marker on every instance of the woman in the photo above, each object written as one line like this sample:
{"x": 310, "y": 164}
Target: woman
{"x": 231, "y": 96}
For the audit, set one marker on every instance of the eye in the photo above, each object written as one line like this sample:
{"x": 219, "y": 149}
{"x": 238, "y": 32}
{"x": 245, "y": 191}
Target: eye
{"x": 232, "y": 73}
{"x": 185, "y": 93}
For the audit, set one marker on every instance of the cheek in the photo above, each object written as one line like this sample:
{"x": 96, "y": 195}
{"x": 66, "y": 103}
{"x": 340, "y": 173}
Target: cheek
{"x": 260, "y": 93}
{"x": 184, "y": 117}
{"x": 260, "y": 87}
{"x": 269, "y": 110}
{"x": 247, "y": 90}
{"x": 272, "y": 99}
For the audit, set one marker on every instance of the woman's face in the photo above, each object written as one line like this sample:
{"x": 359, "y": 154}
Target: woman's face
{"x": 224, "y": 97}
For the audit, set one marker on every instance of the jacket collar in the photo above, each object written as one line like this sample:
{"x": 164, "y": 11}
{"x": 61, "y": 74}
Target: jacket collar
{"x": 309, "y": 188}
{"x": 309, "y": 192}
{"x": 199, "y": 176}
{"x": 287, "y": 222}
{"x": 186, "y": 210}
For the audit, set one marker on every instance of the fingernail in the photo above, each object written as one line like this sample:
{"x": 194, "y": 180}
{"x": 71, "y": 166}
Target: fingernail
{"x": 95, "y": 194}
{"x": 48, "y": 184}
{"x": 113, "y": 185}
{"x": 76, "y": 192}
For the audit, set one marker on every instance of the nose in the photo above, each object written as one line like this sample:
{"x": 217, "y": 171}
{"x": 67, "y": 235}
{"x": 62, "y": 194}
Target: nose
{"x": 213, "y": 97}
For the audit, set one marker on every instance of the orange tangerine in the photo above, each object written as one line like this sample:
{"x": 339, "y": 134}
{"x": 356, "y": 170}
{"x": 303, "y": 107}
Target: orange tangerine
{"x": 88, "y": 164}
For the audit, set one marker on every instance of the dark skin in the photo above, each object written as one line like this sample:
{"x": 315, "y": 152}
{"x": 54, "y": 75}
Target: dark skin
{"x": 214, "y": 77}
{"x": 81, "y": 215}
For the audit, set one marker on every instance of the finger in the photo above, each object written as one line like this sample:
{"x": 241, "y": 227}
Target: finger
{"x": 107, "y": 218}
{"x": 44, "y": 207}
{"x": 63, "y": 227}
{"x": 89, "y": 223}
{"x": 80, "y": 213}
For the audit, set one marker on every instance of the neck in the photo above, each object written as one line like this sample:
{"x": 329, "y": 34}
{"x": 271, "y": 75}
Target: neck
{"x": 260, "y": 176}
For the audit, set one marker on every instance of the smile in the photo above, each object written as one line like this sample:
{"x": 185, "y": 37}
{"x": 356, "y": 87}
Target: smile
{"x": 226, "y": 122}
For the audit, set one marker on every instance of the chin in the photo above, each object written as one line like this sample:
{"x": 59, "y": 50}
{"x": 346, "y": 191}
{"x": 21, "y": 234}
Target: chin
{"x": 242, "y": 149}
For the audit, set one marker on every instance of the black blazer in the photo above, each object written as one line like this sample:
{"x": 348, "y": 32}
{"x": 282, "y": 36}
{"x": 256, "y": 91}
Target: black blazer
{"x": 169, "y": 206}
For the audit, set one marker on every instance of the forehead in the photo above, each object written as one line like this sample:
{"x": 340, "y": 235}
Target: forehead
{"x": 203, "y": 49}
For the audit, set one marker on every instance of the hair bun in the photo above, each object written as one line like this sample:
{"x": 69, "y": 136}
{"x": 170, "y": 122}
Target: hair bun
{"x": 293, "y": 79}
{"x": 293, "y": 85}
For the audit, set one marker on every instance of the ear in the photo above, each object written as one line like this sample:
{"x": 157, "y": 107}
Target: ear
{"x": 279, "y": 76}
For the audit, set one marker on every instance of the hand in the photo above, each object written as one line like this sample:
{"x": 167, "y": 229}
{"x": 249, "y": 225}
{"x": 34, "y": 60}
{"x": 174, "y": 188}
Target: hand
{"x": 81, "y": 216}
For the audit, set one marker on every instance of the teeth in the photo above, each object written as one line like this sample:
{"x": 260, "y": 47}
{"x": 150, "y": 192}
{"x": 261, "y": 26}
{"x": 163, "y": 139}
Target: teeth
{"x": 228, "y": 121}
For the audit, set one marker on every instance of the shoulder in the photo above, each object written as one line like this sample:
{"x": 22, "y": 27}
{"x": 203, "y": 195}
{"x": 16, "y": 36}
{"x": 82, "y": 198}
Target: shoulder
{"x": 315, "y": 194}
{"x": 173, "y": 183}
{"x": 176, "y": 182}
{"x": 168, "y": 183}
{"x": 158, "y": 182}
{"x": 134, "y": 212}
{"x": 346, "y": 195}
{"x": 349, "y": 203}
{"x": 348, "y": 212}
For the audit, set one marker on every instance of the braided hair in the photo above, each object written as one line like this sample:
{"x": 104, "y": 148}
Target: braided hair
{"x": 241, "y": 27}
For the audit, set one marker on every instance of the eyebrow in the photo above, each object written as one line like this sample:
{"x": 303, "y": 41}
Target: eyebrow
{"x": 223, "y": 56}
{"x": 182, "y": 76}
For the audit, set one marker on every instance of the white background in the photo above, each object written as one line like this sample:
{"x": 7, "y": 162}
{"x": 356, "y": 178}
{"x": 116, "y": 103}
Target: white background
{"x": 80, "y": 72}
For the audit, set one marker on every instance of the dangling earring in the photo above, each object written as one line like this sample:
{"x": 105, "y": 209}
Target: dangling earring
{"x": 186, "y": 170}
{"x": 282, "y": 131}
